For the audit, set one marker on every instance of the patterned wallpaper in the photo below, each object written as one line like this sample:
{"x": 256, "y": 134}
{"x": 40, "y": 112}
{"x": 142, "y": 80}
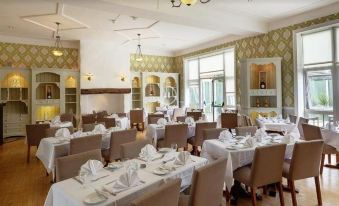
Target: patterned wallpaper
{"x": 276, "y": 43}
{"x": 34, "y": 56}
{"x": 152, "y": 63}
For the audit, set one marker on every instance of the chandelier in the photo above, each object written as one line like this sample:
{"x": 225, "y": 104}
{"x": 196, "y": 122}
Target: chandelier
{"x": 138, "y": 53}
{"x": 187, "y": 2}
{"x": 57, "y": 51}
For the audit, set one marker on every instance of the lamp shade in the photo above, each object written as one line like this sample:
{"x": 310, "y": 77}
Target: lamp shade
{"x": 189, "y": 2}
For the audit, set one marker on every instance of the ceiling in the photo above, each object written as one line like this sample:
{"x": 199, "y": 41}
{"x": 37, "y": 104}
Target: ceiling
{"x": 162, "y": 28}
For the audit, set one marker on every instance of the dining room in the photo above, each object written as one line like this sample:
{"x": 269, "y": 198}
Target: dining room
{"x": 169, "y": 102}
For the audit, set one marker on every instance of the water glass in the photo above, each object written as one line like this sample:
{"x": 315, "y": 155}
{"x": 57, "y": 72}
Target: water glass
{"x": 84, "y": 176}
{"x": 174, "y": 146}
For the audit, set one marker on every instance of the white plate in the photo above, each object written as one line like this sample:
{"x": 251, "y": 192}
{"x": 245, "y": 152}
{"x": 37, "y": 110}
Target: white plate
{"x": 94, "y": 198}
{"x": 160, "y": 172}
{"x": 231, "y": 148}
{"x": 165, "y": 150}
{"x": 115, "y": 165}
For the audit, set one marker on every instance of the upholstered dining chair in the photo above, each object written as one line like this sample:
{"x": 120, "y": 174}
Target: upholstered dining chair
{"x": 88, "y": 118}
{"x": 50, "y": 132}
{"x": 248, "y": 121}
{"x": 66, "y": 117}
{"x": 304, "y": 164}
{"x": 207, "y": 185}
{"x": 132, "y": 149}
{"x": 121, "y": 114}
{"x": 229, "y": 120}
{"x": 212, "y": 133}
{"x": 34, "y": 134}
{"x": 88, "y": 127}
{"x": 166, "y": 194}
{"x": 195, "y": 115}
{"x": 258, "y": 174}
{"x": 174, "y": 134}
{"x": 198, "y": 139}
{"x": 137, "y": 119}
{"x": 109, "y": 122}
{"x": 83, "y": 144}
{"x": 69, "y": 166}
{"x": 241, "y": 131}
{"x": 153, "y": 118}
{"x": 301, "y": 121}
{"x": 312, "y": 132}
{"x": 178, "y": 112}
{"x": 117, "y": 139}
{"x": 181, "y": 118}
{"x": 293, "y": 118}
{"x": 101, "y": 115}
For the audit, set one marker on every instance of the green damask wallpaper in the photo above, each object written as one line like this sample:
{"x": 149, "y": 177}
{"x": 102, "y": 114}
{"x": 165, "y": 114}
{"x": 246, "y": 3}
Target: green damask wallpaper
{"x": 34, "y": 56}
{"x": 152, "y": 63}
{"x": 276, "y": 43}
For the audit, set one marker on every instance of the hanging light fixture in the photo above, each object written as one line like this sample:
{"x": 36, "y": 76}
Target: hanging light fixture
{"x": 57, "y": 51}
{"x": 138, "y": 53}
{"x": 187, "y": 2}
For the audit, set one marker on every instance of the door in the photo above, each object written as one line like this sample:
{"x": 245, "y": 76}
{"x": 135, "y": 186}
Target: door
{"x": 212, "y": 97}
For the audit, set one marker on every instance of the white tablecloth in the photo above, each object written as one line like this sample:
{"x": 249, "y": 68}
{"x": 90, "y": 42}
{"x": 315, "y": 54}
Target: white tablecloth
{"x": 214, "y": 149}
{"x": 121, "y": 122}
{"x": 278, "y": 126}
{"x": 155, "y": 132}
{"x": 331, "y": 138}
{"x": 71, "y": 193}
{"x": 61, "y": 124}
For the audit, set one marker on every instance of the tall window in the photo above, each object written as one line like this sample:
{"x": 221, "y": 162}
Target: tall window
{"x": 318, "y": 66}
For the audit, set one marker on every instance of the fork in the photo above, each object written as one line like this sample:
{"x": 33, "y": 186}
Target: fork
{"x": 99, "y": 178}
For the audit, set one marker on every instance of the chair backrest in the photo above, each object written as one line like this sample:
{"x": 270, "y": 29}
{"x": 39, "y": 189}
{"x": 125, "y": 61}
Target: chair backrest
{"x": 109, "y": 122}
{"x": 293, "y": 118}
{"x": 121, "y": 114}
{"x": 84, "y": 144}
{"x": 248, "y": 121}
{"x": 100, "y": 116}
{"x": 241, "y": 131}
{"x": 65, "y": 117}
{"x": 181, "y": 118}
{"x": 302, "y": 121}
{"x": 137, "y": 116}
{"x": 177, "y": 134}
{"x": 35, "y": 132}
{"x": 165, "y": 195}
{"x": 69, "y": 166}
{"x": 177, "y": 112}
{"x": 88, "y": 127}
{"x": 261, "y": 173}
{"x": 153, "y": 118}
{"x": 199, "y": 131}
{"x": 50, "y": 132}
{"x": 306, "y": 159}
{"x": 229, "y": 120}
{"x": 194, "y": 115}
{"x": 212, "y": 133}
{"x": 132, "y": 149}
{"x": 208, "y": 183}
{"x": 311, "y": 132}
{"x": 117, "y": 139}
{"x": 88, "y": 119}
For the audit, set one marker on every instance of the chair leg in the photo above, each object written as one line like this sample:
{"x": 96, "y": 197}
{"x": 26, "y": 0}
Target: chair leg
{"x": 293, "y": 194}
{"x": 264, "y": 190}
{"x": 281, "y": 195}
{"x": 28, "y": 153}
{"x": 254, "y": 196}
{"x": 329, "y": 158}
{"x": 317, "y": 186}
{"x": 322, "y": 163}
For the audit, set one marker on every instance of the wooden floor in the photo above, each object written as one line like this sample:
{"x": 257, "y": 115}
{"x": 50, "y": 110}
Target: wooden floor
{"x": 27, "y": 184}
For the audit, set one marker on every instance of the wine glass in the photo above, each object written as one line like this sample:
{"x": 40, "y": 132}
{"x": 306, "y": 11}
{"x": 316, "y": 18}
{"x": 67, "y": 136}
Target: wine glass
{"x": 174, "y": 146}
{"x": 83, "y": 177}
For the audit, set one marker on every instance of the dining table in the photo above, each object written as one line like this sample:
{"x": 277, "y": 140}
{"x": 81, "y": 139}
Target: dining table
{"x": 277, "y": 125}
{"x": 71, "y": 192}
{"x": 121, "y": 122}
{"x": 237, "y": 153}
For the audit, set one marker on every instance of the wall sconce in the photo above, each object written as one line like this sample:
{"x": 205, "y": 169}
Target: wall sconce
{"x": 122, "y": 78}
{"x": 89, "y": 76}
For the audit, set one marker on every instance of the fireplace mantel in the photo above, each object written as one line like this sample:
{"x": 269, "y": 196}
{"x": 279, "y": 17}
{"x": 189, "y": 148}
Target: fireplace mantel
{"x": 106, "y": 91}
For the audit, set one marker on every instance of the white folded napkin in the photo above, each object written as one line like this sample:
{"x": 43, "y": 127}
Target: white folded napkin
{"x": 288, "y": 138}
{"x": 225, "y": 135}
{"x": 189, "y": 120}
{"x": 115, "y": 116}
{"x": 56, "y": 120}
{"x": 260, "y": 133}
{"x": 249, "y": 142}
{"x": 127, "y": 180}
{"x": 92, "y": 167}
{"x": 99, "y": 129}
{"x": 62, "y": 132}
{"x": 182, "y": 158}
{"x": 288, "y": 120}
{"x": 158, "y": 112}
{"x": 162, "y": 122}
{"x": 148, "y": 153}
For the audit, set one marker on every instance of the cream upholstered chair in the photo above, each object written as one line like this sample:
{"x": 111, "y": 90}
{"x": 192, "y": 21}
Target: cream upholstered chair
{"x": 153, "y": 118}
{"x": 88, "y": 118}
{"x": 83, "y": 144}
{"x": 166, "y": 194}
{"x": 195, "y": 115}
{"x": 137, "y": 119}
{"x": 301, "y": 121}
{"x": 212, "y": 133}
{"x": 241, "y": 131}
{"x": 304, "y": 164}
{"x": 34, "y": 132}
{"x": 175, "y": 134}
{"x": 117, "y": 139}
{"x": 198, "y": 139}
{"x": 69, "y": 166}
{"x": 293, "y": 118}
{"x": 132, "y": 149}
{"x": 207, "y": 185}
{"x": 229, "y": 120}
{"x": 258, "y": 174}
{"x": 50, "y": 132}
{"x": 312, "y": 132}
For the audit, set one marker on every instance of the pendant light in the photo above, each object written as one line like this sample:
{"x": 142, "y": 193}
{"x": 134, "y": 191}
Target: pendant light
{"x": 187, "y": 2}
{"x": 138, "y": 53}
{"x": 57, "y": 51}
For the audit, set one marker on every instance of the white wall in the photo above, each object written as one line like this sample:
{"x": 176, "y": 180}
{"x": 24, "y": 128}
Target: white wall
{"x": 112, "y": 103}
